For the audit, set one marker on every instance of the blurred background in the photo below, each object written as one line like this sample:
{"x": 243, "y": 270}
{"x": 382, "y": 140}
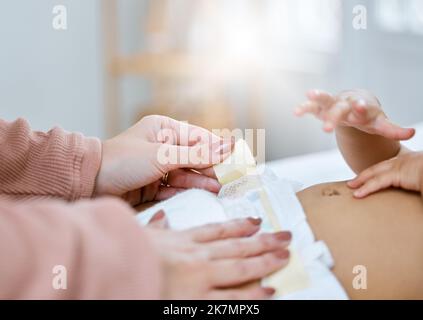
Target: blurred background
{"x": 215, "y": 63}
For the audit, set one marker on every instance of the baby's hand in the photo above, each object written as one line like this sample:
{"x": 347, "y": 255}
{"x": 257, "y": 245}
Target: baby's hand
{"x": 404, "y": 171}
{"x": 357, "y": 108}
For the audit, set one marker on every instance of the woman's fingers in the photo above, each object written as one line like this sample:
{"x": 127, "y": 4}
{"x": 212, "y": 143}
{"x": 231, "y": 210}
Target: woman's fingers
{"x": 209, "y": 172}
{"x": 187, "y": 179}
{"x": 199, "y": 156}
{"x": 219, "y": 231}
{"x": 133, "y": 197}
{"x": 251, "y": 293}
{"x": 248, "y": 247}
{"x": 233, "y": 272}
{"x": 180, "y": 180}
{"x": 159, "y": 220}
{"x": 184, "y": 134}
{"x": 149, "y": 192}
{"x": 164, "y": 193}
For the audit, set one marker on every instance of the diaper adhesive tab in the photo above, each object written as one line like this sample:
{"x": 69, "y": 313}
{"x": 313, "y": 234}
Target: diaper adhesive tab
{"x": 232, "y": 174}
{"x": 240, "y": 163}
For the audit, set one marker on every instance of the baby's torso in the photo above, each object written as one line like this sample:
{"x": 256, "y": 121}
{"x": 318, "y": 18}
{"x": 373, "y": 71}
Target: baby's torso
{"x": 381, "y": 235}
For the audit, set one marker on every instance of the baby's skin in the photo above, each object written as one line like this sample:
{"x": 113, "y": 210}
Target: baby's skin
{"x": 380, "y": 235}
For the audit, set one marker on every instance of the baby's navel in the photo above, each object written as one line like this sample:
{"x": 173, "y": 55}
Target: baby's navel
{"x": 330, "y": 192}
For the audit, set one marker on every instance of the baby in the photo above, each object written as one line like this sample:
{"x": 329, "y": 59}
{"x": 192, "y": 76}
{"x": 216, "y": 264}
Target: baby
{"x": 368, "y": 141}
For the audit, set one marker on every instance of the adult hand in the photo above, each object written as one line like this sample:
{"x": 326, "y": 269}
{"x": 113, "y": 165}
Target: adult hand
{"x": 135, "y": 162}
{"x": 215, "y": 261}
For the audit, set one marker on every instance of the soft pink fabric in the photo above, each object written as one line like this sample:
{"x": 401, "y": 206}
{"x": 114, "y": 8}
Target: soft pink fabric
{"x": 56, "y": 163}
{"x": 103, "y": 249}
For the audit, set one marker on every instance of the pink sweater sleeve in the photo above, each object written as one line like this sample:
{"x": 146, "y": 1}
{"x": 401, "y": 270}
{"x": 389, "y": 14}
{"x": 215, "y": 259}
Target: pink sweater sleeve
{"x": 88, "y": 250}
{"x": 102, "y": 249}
{"x": 53, "y": 164}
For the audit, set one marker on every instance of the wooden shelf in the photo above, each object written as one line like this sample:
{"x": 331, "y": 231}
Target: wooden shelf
{"x": 212, "y": 110}
{"x": 159, "y": 65}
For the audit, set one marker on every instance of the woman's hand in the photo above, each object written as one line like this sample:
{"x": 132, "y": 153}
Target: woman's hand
{"x": 215, "y": 261}
{"x": 135, "y": 161}
{"x": 356, "y": 108}
{"x": 404, "y": 171}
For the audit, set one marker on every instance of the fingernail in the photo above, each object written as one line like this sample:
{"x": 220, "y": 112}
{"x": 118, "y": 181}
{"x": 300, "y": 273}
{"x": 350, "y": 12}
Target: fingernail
{"x": 159, "y": 215}
{"x": 255, "y": 221}
{"x": 328, "y": 126}
{"x": 361, "y": 103}
{"x": 215, "y": 186}
{"x": 297, "y": 111}
{"x": 269, "y": 291}
{"x": 282, "y": 254}
{"x": 358, "y": 194}
{"x": 223, "y": 149}
{"x": 411, "y": 132}
{"x": 283, "y": 235}
{"x": 352, "y": 184}
{"x": 224, "y": 146}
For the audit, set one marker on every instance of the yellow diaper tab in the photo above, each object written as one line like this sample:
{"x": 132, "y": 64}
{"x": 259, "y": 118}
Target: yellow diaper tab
{"x": 241, "y": 163}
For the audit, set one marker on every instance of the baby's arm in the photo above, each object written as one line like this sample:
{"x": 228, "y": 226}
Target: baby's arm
{"x": 364, "y": 134}
{"x": 372, "y": 138}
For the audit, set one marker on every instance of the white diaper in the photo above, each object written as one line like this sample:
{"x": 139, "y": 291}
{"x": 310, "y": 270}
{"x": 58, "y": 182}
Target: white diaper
{"x": 242, "y": 198}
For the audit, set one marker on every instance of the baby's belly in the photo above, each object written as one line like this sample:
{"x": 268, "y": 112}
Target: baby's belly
{"x": 383, "y": 233}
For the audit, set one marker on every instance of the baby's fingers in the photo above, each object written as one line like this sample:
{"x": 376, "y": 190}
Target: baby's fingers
{"x": 370, "y": 173}
{"x": 324, "y": 99}
{"x": 336, "y": 115}
{"x": 365, "y": 113}
{"x": 318, "y": 101}
{"x": 392, "y": 131}
{"x": 377, "y": 183}
{"x": 307, "y": 107}
{"x": 361, "y": 112}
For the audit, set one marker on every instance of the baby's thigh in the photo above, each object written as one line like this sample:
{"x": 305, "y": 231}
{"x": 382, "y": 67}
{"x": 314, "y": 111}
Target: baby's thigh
{"x": 383, "y": 233}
